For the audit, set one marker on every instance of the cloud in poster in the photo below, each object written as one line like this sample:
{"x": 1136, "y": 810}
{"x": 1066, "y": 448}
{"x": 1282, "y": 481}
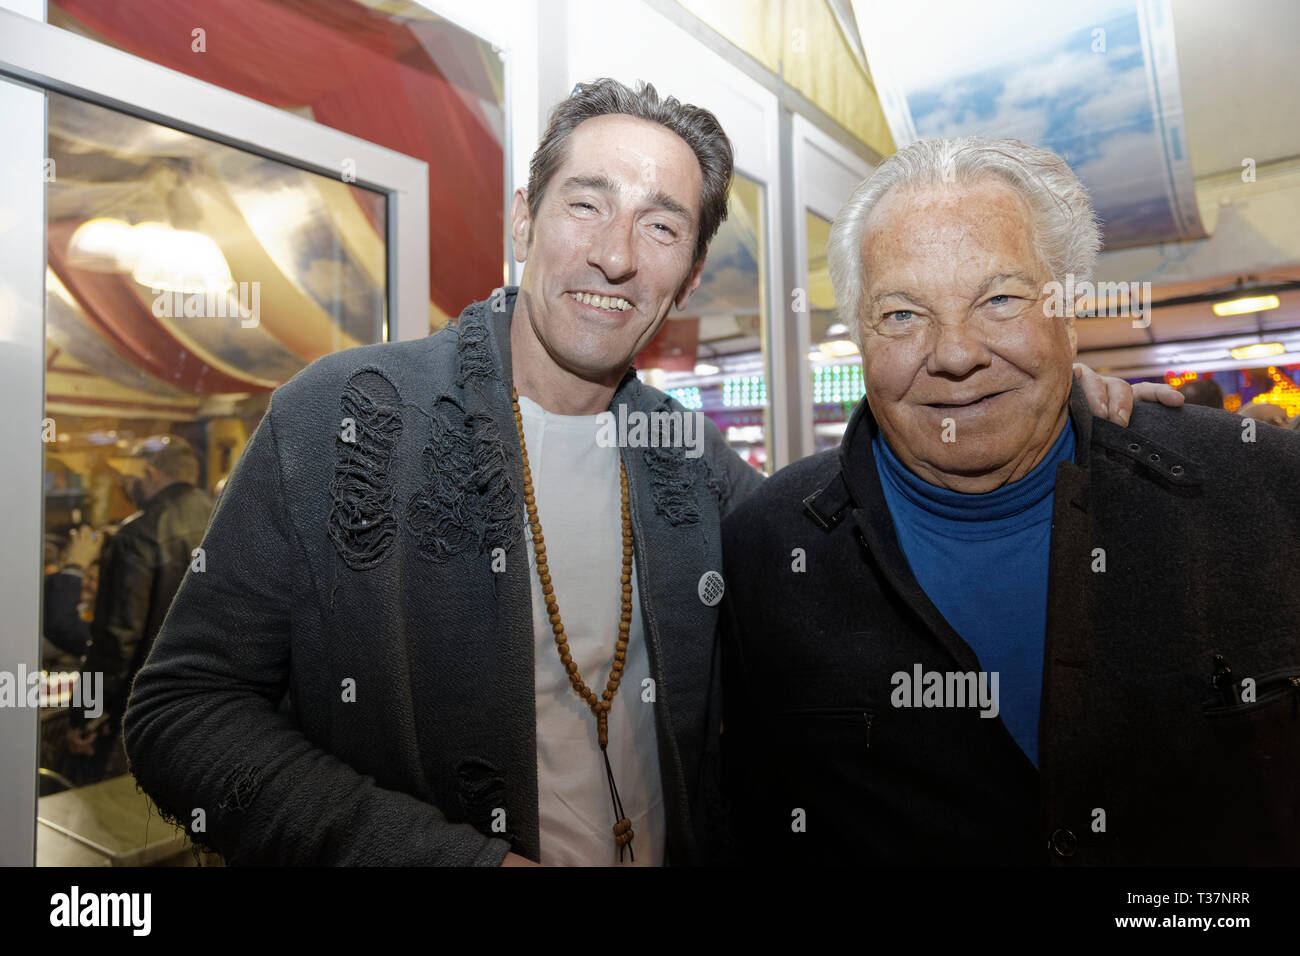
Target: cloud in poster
{"x": 1048, "y": 84}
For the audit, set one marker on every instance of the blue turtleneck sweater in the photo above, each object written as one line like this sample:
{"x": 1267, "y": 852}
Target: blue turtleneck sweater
{"x": 982, "y": 560}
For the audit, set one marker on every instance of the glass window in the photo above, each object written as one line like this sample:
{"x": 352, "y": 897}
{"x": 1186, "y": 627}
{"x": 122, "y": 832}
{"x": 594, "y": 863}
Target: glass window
{"x": 186, "y": 280}
{"x": 713, "y": 357}
{"x": 834, "y": 359}
{"x": 387, "y": 71}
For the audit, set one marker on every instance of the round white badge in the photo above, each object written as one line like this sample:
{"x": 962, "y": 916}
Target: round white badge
{"x": 711, "y": 588}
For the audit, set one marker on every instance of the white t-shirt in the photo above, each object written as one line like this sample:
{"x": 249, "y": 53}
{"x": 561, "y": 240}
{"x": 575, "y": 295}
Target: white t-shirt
{"x": 576, "y": 484}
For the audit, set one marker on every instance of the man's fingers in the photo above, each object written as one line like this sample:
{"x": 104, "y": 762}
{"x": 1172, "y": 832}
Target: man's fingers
{"x": 1094, "y": 390}
{"x": 1158, "y": 392}
{"x": 1120, "y": 399}
{"x": 1108, "y": 397}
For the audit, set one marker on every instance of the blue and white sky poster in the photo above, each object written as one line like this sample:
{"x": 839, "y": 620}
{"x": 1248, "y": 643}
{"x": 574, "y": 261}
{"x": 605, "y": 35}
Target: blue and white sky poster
{"x": 1094, "y": 81}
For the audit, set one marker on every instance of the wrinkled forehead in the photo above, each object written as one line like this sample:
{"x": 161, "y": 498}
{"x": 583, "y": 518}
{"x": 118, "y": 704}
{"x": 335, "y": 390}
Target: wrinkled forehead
{"x": 635, "y": 157}
{"x": 948, "y": 232}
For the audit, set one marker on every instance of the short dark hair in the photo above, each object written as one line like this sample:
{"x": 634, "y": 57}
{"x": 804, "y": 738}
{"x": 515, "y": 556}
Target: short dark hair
{"x": 172, "y": 455}
{"x": 1202, "y": 391}
{"x": 697, "y": 127}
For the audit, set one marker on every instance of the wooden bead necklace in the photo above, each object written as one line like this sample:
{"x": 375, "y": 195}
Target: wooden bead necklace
{"x": 599, "y": 705}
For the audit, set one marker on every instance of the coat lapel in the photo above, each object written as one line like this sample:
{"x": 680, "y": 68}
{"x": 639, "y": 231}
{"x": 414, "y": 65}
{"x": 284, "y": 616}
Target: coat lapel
{"x": 1069, "y": 654}
{"x": 497, "y": 763}
{"x": 881, "y": 540}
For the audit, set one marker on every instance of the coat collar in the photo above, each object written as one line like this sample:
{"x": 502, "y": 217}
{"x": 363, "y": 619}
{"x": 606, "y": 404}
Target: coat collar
{"x": 856, "y": 481}
{"x": 484, "y": 348}
{"x": 856, "y": 491}
{"x": 675, "y": 538}
{"x": 485, "y": 369}
{"x": 858, "y": 463}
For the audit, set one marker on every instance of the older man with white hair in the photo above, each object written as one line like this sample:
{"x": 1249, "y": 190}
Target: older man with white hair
{"x": 992, "y": 628}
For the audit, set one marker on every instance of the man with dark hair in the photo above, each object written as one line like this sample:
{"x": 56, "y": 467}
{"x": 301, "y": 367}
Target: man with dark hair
{"x": 490, "y": 621}
{"x": 140, "y": 569}
{"x": 435, "y": 546}
{"x": 1202, "y": 391}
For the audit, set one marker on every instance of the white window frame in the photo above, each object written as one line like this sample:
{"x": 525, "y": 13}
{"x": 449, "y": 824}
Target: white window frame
{"x": 824, "y": 177}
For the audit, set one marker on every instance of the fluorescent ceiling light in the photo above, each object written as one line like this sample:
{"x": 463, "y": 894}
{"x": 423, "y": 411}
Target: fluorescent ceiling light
{"x": 102, "y": 245}
{"x": 745, "y": 434}
{"x": 704, "y": 368}
{"x": 839, "y": 348}
{"x": 1259, "y": 350}
{"x": 177, "y": 260}
{"x": 1256, "y": 303}
{"x": 155, "y": 254}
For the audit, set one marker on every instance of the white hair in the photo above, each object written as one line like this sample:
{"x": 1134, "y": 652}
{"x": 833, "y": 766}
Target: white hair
{"x": 1066, "y": 234}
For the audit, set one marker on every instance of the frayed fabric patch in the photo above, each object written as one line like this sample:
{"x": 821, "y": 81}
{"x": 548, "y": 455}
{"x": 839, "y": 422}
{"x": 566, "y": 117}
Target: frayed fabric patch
{"x": 501, "y": 522}
{"x": 361, "y": 522}
{"x": 482, "y": 794}
{"x": 438, "y": 515}
{"x": 467, "y": 501}
{"x": 718, "y": 484}
{"x": 182, "y": 821}
{"x": 672, "y": 482}
{"x": 244, "y": 783}
{"x": 475, "y": 352}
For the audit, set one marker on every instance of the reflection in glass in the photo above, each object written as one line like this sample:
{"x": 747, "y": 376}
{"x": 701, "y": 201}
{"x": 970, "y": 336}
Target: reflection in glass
{"x": 713, "y": 358}
{"x": 186, "y": 280}
{"x": 389, "y": 72}
{"x": 834, "y": 359}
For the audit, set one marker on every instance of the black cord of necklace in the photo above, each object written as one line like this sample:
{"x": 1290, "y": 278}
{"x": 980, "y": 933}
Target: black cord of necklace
{"x": 618, "y": 808}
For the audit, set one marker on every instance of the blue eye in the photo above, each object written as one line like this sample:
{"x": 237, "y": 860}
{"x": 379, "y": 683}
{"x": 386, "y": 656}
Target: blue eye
{"x": 994, "y": 301}
{"x": 905, "y": 313}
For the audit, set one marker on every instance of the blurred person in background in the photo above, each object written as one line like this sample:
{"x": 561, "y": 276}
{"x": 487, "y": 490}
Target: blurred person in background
{"x": 70, "y": 593}
{"x": 1202, "y": 391}
{"x": 1264, "y": 412}
{"x": 51, "y": 554}
{"x": 141, "y": 567}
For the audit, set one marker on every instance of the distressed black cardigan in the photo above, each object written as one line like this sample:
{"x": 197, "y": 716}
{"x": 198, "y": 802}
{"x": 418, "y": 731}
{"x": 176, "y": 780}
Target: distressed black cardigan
{"x": 349, "y": 681}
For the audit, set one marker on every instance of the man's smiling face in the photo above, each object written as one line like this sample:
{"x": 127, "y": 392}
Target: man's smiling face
{"x": 612, "y": 246}
{"x": 953, "y": 329}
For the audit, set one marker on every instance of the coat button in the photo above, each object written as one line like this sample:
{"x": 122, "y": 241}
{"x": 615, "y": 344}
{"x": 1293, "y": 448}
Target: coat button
{"x": 710, "y": 588}
{"x": 1064, "y": 842}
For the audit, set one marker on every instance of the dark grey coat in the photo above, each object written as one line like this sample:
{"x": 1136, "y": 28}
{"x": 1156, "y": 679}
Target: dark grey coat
{"x": 363, "y": 570}
{"x": 140, "y": 569}
{"x": 1201, "y": 539}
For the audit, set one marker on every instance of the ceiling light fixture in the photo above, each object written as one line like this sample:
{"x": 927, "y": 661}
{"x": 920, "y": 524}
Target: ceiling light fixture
{"x": 177, "y": 260}
{"x": 838, "y": 348}
{"x": 102, "y": 245}
{"x": 1258, "y": 303}
{"x": 1258, "y": 350}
